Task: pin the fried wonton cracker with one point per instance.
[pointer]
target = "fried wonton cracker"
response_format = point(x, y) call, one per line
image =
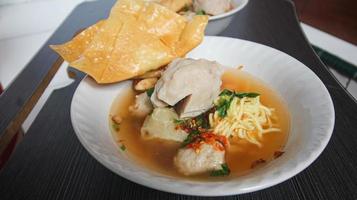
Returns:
point(72, 50)
point(137, 37)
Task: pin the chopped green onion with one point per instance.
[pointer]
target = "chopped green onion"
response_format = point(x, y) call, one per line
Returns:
point(223, 106)
point(149, 92)
point(249, 95)
point(201, 12)
point(225, 171)
point(115, 126)
point(226, 97)
point(226, 92)
point(188, 140)
point(179, 121)
point(195, 132)
point(123, 147)
point(190, 137)
point(202, 121)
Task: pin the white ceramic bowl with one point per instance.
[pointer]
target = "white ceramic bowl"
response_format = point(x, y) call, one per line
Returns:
point(219, 23)
point(309, 103)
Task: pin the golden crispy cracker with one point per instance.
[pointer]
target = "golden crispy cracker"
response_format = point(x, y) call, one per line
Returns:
point(135, 53)
point(192, 35)
point(96, 57)
point(72, 50)
point(162, 22)
point(137, 37)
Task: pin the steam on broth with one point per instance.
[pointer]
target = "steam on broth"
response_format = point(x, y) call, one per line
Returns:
point(241, 157)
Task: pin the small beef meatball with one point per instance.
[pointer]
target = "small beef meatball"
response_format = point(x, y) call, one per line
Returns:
point(142, 106)
point(190, 161)
point(190, 85)
point(160, 124)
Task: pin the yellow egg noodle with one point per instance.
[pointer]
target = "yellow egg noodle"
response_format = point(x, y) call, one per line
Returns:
point(246, 118)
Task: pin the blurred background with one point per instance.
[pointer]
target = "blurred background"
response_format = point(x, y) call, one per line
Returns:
point(329, 25)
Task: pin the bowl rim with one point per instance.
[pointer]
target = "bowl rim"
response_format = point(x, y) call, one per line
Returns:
point(304, 165)
point(231, 12)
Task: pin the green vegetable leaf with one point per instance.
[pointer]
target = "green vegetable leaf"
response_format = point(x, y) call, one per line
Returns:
point(150, 91)
point(226, 97)
point(252, 95)
point(226, 92)
point(199, 120)
point(123, 147)
point(225, 171)
point(249, 94)
point(224, 101)
point(201, 12)
point(179, 121)
point(188, 140)
point(195, 132)
point(115, 126)
point(222, 111)
point(223, 106)
point(202, 121)
point(190, 137)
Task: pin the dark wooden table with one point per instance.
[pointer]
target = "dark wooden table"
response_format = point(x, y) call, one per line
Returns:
point(50, 163)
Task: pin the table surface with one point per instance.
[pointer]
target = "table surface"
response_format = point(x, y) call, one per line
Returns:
point(50, 163)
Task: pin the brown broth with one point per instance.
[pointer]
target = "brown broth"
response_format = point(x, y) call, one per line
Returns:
point(158, 154)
